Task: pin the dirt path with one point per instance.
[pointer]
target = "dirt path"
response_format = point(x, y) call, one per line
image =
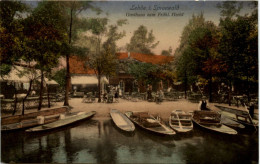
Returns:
point(163, 109)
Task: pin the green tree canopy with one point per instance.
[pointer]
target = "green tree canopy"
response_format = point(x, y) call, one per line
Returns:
point(238, 47)
point(167, 52)
point(146, 72)
point(101, 45)
point(142, 41)
point(74, 25)
point(13, 43)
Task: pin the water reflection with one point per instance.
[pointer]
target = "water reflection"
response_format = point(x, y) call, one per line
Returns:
point(99, 141)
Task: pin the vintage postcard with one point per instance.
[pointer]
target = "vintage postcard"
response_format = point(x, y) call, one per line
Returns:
point(129, 81)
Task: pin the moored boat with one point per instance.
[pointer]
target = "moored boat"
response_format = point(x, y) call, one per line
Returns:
point(149, 123)
point(121, 121)
point(211, 120)
point(231, 123)
point(63, 121)
point(28, 120)
point(240, 116)
point(180, 121)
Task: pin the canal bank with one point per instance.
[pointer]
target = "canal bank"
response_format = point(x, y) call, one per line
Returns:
point(98, 140)
point(163, 109)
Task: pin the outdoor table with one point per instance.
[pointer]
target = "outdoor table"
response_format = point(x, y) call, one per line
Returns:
point(7, 104)
point(110, 98)
point(143, 96)
point(238, 98)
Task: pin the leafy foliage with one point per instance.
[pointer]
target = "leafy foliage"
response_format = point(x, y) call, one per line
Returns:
point(13, 42)
point(146, 72)
point(59, 78)
point(225, 53)
point(142, 41)
point(167, 52)
point(74, 25)
point(46, 33)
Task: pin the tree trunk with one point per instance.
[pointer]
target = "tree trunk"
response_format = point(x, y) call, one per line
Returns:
point(67, 88)
point(66, 97)
point(41, 91)
point(29, 91)
point(248, 87)
point(210, 86)
point(15, 100)
point(229, 93)
point(99, 88)
point(185, 85)
point(48, 96)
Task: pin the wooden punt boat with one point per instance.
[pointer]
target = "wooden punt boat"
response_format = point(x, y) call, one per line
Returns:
point(211, 120)
point(240, 116)
point(149, 123)
point(231, 123)
point(18, 122)
point(180, 121)
point(121, 121)
point(66, 120)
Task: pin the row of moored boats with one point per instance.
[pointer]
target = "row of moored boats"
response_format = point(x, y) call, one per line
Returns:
point(225, 121)
point(181, 122)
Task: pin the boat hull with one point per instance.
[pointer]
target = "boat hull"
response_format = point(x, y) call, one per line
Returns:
point(68, 120)
point(223, 129)
point(121, 121)
point(181, 130)
point(168, 133)
point(180, 117)
point(29, 120)
point(234, 114)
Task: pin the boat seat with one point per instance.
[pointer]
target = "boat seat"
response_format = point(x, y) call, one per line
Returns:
point(51, 116)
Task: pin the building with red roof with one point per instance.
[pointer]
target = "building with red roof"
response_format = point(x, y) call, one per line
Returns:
point(82, 76)
point(124, 80)
point(146, 58)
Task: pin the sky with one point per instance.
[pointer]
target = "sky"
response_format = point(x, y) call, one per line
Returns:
point(166, 29)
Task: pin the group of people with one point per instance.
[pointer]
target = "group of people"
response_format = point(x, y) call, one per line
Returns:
point(111, 95)
point(158, 97)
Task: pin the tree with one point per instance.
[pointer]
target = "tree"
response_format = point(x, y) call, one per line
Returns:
point(45, 29)
point(142, 41)
point(197, 55)
point(74, 23)
point(101, 55)
point(32, 75)
point(11, 33)
point(185, 68)
point(185, 58)
point(59, 78)
point(204, 43)
point(167, 52)
point(146, 72)
point(13, 41)
point(238, 45)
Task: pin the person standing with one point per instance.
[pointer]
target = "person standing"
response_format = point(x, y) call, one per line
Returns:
point(203, 104)
point(149, 93)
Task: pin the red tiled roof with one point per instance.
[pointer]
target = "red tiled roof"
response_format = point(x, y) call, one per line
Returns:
point(122, 55)
point(153, 59)
point(77, 66)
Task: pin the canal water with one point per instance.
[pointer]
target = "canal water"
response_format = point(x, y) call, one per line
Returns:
point(99, 141)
